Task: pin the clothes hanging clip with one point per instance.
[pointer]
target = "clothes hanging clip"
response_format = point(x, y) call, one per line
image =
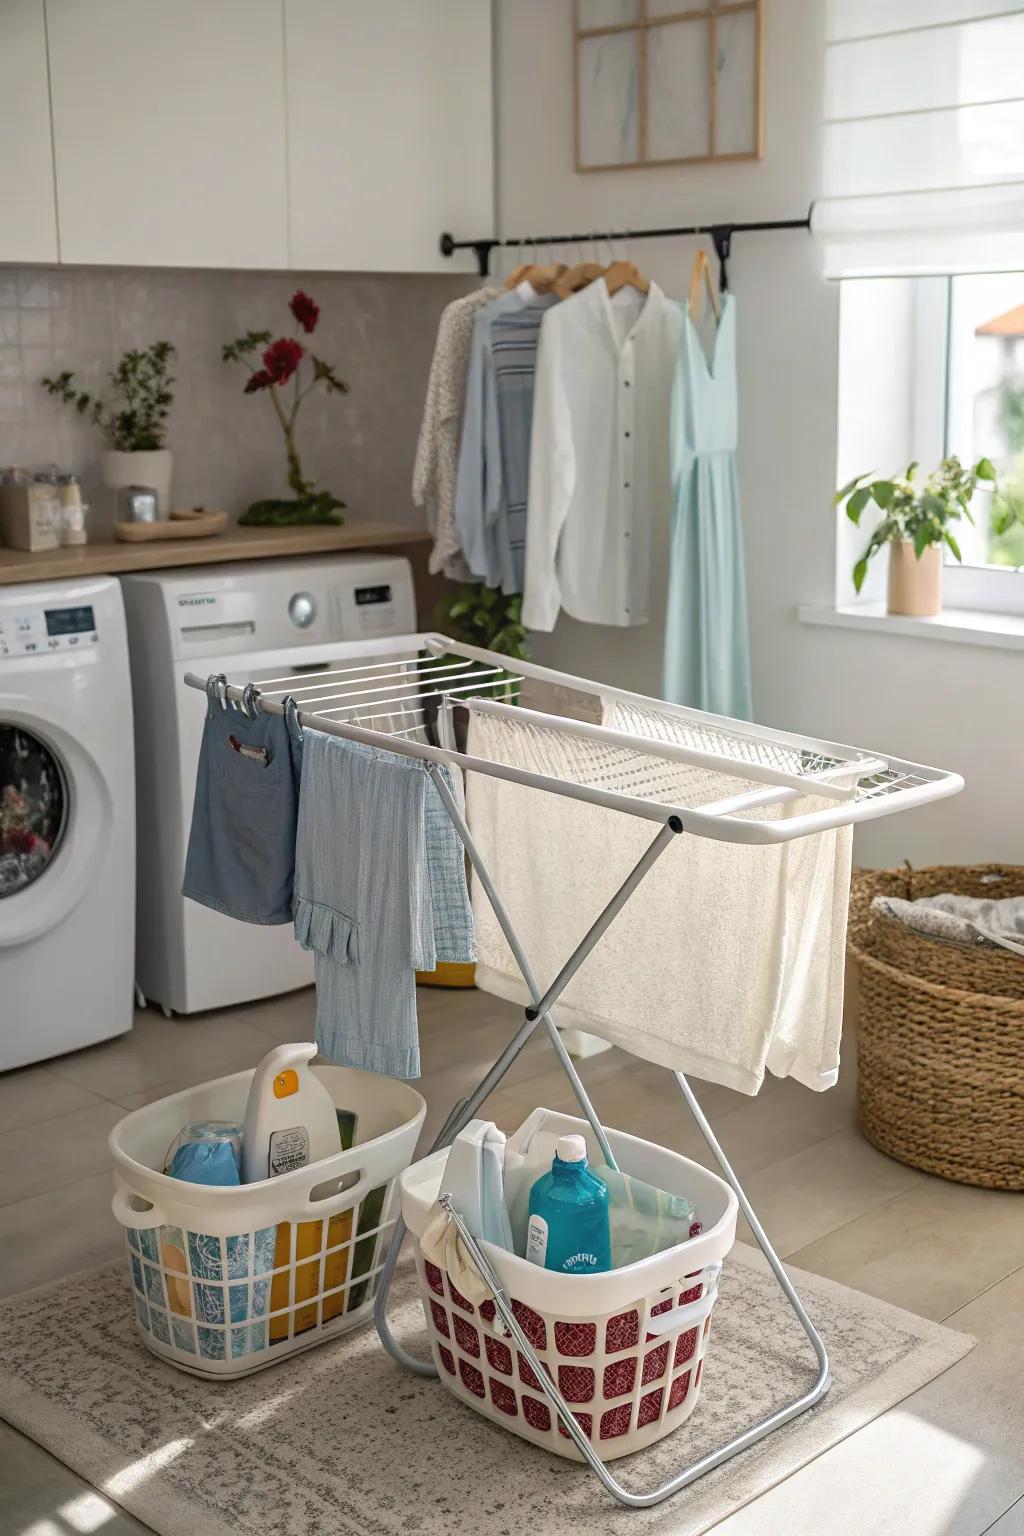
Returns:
point(216, 689)
point(721, 235)
point(250, 704)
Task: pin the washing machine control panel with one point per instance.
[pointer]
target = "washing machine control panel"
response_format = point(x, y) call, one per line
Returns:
point(40, 631)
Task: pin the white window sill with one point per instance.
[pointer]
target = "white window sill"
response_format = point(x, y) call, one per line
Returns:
point(961, 626)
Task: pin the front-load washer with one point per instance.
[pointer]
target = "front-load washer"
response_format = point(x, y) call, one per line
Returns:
point(67, 819)
point(260, 619)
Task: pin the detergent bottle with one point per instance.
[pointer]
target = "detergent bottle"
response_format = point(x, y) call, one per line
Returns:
point(290, 1119)
point(568, 1229)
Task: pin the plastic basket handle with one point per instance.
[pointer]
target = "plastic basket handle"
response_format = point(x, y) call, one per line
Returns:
point(142, 1217)
point(694, 1311)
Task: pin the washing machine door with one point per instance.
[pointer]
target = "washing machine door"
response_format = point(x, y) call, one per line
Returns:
point(55, 815)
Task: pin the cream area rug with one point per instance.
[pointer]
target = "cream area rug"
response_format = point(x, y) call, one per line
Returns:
point(341, 1441)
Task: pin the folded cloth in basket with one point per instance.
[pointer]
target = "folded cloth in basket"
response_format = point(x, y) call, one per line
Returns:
point(962, 920)
point(725, 961)
point(380, 892)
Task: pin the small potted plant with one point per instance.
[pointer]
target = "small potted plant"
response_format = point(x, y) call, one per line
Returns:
point(282, 365)
point(133, 420)
point(917, 518)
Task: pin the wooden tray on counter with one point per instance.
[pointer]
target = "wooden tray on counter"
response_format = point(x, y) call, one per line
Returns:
point(197, 524)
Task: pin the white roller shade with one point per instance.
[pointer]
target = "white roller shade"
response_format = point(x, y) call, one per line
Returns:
point(923, 163)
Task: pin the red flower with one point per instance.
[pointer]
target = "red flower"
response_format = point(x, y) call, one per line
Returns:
point(305, 310)
point(259, 380)
point(281, 359)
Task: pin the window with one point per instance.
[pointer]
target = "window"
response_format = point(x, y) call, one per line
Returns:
point(985, 405)
point(930, 366)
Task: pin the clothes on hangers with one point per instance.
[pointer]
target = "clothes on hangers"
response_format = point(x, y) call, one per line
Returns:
point(380, 892)
point(494, 455)
point(727, 960)
point(437, 451)
point(599, 460)
point(707, 655)
point(241, 845)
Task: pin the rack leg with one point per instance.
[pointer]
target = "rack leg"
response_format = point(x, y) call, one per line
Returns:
point(463, 1112)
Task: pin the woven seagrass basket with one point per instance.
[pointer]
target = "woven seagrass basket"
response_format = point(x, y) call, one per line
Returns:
point(941, 1032)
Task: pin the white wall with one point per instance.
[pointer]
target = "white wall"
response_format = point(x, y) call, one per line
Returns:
point(959, 707)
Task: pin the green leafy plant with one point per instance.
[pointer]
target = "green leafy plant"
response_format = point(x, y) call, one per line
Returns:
point(918, 510)
point(282, 362)
point(484, 616)
point(135, 419)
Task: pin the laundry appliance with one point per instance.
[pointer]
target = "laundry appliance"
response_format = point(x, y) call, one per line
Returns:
point(67, 819)
point(257, 620)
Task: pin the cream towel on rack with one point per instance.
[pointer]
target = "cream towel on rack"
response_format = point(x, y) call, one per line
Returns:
point(726, 961)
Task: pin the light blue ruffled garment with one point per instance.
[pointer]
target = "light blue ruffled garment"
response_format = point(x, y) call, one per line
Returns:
point(380, 892)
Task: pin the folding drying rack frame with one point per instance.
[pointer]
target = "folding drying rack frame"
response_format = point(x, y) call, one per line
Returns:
point(856, 786)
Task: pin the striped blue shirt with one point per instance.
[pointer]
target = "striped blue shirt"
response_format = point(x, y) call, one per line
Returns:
point(494, 454)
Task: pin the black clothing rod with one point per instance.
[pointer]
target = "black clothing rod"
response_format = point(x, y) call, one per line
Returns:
point(721, 236)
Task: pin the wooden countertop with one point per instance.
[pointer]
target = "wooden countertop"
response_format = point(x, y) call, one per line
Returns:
point(107, 556)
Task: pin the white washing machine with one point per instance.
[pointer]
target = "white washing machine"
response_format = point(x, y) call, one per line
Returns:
point(67, 819)
point(255, 620)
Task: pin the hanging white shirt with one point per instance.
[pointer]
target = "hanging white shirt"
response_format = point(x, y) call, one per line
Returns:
point(599, 458)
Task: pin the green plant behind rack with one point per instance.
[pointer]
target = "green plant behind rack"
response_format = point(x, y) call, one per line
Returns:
point(483, 616)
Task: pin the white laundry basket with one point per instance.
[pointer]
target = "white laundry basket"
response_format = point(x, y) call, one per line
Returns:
point(626, 1346)
point(231, 1279)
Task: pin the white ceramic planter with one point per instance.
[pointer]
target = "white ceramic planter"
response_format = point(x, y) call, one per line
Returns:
point(151, 468)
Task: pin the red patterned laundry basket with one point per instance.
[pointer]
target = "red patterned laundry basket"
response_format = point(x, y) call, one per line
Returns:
point(626, 1349)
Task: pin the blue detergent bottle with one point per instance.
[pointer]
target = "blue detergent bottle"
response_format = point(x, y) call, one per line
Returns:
point(568, 1229)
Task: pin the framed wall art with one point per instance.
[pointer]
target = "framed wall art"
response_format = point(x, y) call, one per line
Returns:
point(667, 82)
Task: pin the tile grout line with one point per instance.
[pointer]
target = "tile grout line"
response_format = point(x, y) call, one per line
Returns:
point(1016, 1270)
point(873, 1211)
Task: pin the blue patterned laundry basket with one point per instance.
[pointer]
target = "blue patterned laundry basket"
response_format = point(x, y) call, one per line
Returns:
point(228, 1280)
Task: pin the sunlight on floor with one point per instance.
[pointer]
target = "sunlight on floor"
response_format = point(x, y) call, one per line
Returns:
point(86, 1513)
point(131, 1476)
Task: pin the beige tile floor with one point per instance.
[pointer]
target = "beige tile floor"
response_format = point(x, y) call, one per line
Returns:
point(949, 1461)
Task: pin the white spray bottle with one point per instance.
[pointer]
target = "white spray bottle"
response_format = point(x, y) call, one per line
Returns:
point(290, 1119)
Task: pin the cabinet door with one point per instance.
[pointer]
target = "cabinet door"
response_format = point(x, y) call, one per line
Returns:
point(389, 131)
point(28, 223)
point(169, 131)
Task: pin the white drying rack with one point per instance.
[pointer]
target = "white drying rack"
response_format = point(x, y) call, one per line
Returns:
point(412, 687)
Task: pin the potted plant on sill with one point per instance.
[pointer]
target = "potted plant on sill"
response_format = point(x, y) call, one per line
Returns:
point(134, 421)
point(282, 363)
point(917, 517)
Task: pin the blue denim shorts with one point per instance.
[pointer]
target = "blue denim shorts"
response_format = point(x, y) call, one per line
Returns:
point(241, 846)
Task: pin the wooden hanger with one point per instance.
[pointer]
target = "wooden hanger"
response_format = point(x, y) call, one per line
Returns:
point(702, 270)
point(578, 277)
point(518, 275)
point(622, 272)
point(543, 278)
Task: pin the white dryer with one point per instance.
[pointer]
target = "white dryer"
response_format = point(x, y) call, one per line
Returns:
point(258, 619)
point(67, 819)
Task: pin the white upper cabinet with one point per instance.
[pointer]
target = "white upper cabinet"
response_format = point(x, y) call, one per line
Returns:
point(389, 131)
point(169, 131)
point(28, 223)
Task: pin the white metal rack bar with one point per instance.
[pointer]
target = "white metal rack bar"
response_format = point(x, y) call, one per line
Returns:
point(874, 787)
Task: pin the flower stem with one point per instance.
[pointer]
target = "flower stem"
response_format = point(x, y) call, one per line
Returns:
point(295, 479)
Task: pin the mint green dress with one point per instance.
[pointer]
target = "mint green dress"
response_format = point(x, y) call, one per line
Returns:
point(707, 656)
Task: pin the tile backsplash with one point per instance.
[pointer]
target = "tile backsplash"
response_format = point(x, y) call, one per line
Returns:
point(228, 447)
